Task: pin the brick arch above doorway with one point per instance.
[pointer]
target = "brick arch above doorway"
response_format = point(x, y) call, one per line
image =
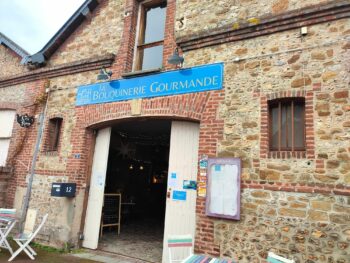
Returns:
point(196, 107)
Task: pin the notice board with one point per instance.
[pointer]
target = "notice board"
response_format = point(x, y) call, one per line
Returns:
point(224, 188)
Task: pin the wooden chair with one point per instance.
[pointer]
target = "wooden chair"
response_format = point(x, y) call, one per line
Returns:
point(179, 241)
point(23, 239)
point(273, 258)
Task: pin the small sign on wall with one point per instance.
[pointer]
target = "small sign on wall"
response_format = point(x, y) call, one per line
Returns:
point(224, 188)
point(63, 189)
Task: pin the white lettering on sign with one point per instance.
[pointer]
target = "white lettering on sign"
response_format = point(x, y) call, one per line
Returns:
point(190, 80)
point(187, 84)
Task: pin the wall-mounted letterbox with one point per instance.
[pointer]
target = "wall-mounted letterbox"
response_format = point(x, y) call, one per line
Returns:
point(63, 189)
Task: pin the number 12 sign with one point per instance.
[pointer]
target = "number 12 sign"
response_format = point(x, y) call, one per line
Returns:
point(63, 189)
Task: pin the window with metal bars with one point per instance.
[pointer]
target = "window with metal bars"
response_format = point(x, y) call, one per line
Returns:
point(150, 40)
point(54, 130)
point(287, 124)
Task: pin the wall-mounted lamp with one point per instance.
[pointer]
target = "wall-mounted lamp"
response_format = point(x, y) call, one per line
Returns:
point(176, 59)
point(104, 74)
point(25, 120)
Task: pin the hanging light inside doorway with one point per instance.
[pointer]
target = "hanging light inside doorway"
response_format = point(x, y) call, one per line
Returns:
point(141, 167)
point(131, 167)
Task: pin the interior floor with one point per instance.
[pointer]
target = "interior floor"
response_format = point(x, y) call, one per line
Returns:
point(137, 171)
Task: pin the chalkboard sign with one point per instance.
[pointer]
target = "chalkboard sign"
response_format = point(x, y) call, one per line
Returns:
point(111, 212)
point(224, 188)
point(63, 189)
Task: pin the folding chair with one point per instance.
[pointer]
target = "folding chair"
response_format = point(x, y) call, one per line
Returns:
point(28, 235)
point(180, 241)
point(273, 258)
point(6, 225)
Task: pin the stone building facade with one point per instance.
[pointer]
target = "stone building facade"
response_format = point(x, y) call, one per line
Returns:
point(295, 203)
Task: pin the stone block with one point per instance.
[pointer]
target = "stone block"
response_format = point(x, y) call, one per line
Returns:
point(251, 124)
point(280, 6)
point(297, 205)
point(288, 74)
point(339, 113)
point(332, 164)
point(326, 178)
point(293, 59)
point(252, 65)
point(339, 218)
point(328, 75)
point(317, 55)
point(241, 51)
point(318, 234)
point(330, 52)
point(317, 216)
point(301, 82)
point(270, 175)
point(341, 209)
point(346, 124)
point(252, 137)
point(321, 205)
point(261, 194)
point(322, 96)
point(291, 212)
point(322, 156)
point(322, 113)
point(279, 167)
point(322, 106)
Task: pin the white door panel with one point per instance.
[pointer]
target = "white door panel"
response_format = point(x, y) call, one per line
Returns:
point(183, 160)
point(97, 186)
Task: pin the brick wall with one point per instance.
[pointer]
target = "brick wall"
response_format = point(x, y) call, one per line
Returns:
point(14, 98)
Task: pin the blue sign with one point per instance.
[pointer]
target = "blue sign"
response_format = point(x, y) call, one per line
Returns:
point(189, 80)
point(179, 195)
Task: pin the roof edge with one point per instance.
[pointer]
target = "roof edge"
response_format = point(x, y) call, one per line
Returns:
point(39, 59)
point(13, 46)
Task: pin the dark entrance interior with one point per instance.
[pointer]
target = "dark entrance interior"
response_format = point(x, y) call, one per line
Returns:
point(137, 170)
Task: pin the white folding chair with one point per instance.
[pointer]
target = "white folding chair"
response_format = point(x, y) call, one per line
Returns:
point(176, 242)
point(6, 225)
point(273, 258)
point(28, 235)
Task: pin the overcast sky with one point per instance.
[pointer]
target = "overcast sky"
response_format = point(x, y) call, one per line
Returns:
point(32, 23)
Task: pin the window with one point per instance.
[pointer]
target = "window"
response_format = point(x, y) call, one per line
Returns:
point(54, 130)
point(286, 122)
point(151, 35)
point(7, 118)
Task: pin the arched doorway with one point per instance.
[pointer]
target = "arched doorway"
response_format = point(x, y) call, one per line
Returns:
point(132, 162)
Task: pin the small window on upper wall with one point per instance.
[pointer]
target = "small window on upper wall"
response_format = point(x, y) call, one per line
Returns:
point(54, 131)
point(151, 35)
point(286, 124)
